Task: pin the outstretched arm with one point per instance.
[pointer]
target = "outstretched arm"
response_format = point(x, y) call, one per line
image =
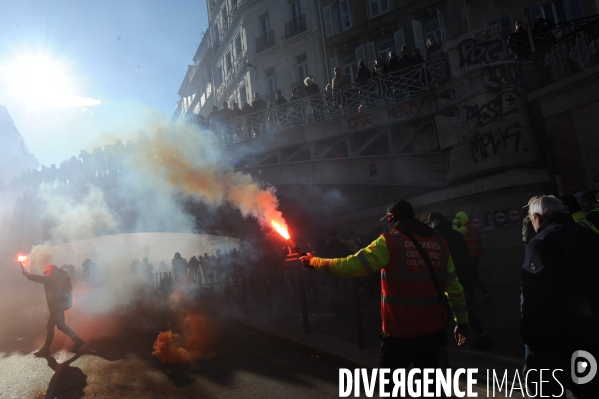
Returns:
point(366, 261)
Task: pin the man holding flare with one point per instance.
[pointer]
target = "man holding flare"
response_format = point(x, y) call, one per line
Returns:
point(417, 273)
point(58, 287)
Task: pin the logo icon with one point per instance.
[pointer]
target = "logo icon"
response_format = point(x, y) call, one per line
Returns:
point(582, 362)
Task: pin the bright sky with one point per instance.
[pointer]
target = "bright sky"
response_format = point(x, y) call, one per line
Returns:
point(71, 71)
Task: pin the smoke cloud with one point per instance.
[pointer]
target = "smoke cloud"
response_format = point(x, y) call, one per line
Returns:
point(139, 187)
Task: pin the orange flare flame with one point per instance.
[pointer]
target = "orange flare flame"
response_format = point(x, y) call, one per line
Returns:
point(22, 258)
point(280, 229)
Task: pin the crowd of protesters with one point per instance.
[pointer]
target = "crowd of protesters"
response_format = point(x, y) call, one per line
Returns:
point(385, 81)
point(82, 169)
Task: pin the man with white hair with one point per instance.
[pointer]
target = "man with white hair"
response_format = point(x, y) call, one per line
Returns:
point(559, 303)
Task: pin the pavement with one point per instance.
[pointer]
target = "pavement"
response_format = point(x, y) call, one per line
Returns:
point(333, 335)
point(261, 350)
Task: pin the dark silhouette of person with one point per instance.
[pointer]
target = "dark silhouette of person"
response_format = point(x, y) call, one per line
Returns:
point(194, 269)
point(179, 267)
point(58, 287)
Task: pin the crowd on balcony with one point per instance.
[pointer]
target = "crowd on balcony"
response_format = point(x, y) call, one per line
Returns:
point(402, 76)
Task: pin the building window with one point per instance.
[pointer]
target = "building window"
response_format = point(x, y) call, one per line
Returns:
point(302, 67)
point(505, 22)
point(384, 49)
point(378, 7)
point(555, 12)
point(228, 62)
point(265, 24)
point(296, 10)
point(223, 15)
point(243, 97)
point(271, 82)
point(343, 16)
point(433, 31)
point(238, 45)
point(350, 67)
point(327, 16)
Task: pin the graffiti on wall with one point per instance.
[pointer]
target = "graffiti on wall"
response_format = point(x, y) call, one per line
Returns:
point(497, 77)
point(489, 144)
point(361, 121)
point(407, 110)
point(500, 106)
point(473, 52)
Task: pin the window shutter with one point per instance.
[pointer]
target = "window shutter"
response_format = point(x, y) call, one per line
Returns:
point(370, 53)
point(384, 6)
point(442, 28)
point(361, 55)
point(418, 37)
point(333, 62)
point(534, 11)
point(345, 14)
point(576, 10)
point(400, 40)
point(327, 16)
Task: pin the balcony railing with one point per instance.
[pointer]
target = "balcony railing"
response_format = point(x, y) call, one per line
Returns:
point(265, 41)
point(575, 50)
point(403, 85)
point(295, 26)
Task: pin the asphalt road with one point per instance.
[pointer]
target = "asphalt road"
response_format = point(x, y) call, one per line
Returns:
point(245, 365)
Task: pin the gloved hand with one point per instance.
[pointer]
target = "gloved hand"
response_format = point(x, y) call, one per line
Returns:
point(306, 260)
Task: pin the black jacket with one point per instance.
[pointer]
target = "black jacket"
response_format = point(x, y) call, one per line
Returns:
point(457, 247)
point(560, 277)
point(58, 289)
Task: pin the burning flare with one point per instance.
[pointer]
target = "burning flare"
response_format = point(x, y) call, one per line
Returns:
point(281, 230)
point(22, 258)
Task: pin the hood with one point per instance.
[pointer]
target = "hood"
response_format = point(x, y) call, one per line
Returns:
point(462, 217)
point(441, 225)
point(414, 226)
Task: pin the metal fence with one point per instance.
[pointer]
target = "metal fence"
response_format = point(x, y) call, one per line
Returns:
point(405, 84)
point(577, 49)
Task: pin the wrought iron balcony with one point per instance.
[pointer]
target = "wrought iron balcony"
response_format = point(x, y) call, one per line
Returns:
point(265, 41)
point(295, 26)
point(569, 50)
point(399, 87)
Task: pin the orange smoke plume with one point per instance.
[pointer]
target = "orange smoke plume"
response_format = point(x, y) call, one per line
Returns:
point(199, 336)
point(212, 183)
point(166, 348)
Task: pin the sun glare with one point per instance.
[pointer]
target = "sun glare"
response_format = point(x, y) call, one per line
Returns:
point(40, 81)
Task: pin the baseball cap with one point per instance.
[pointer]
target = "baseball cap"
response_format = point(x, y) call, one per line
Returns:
point(399, 209)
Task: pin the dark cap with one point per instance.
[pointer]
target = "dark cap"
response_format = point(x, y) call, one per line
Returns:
point(400, 210)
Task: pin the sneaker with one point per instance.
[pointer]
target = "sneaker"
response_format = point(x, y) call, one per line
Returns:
point(483, 342)
point(44, 352)
point(78, 344)
point(487, 299)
